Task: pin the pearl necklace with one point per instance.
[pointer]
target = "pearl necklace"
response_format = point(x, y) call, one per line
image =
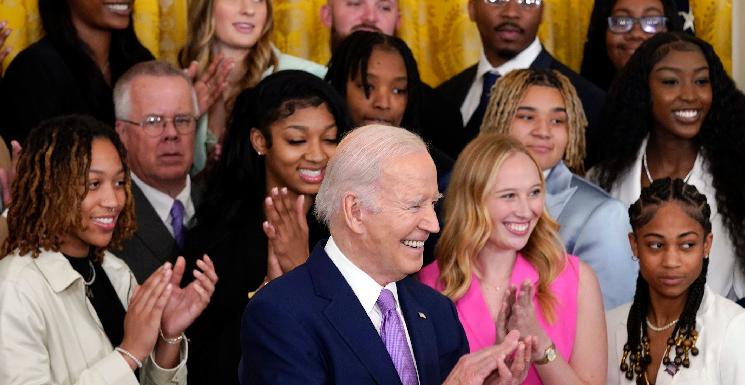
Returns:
point(660, 328)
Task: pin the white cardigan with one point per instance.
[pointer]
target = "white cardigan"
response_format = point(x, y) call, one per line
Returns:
point(725, 274)
point(50, 333)
point(721, 326)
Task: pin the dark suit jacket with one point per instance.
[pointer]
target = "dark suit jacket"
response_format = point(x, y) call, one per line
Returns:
point(456, 88)
point(152, 244)
point(308, 327)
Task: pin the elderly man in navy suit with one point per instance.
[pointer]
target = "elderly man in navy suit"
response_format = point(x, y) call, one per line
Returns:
point(508, 31)
point(351, 314)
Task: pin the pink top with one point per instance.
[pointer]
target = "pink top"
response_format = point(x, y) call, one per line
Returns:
point(479, 325)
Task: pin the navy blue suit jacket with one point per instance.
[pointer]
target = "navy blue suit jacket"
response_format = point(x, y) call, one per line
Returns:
point(308, 327)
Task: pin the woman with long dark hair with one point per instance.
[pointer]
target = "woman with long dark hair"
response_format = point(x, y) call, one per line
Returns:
point(88, 45)
point(677, 330)
point(674, 112)
point(281, 135)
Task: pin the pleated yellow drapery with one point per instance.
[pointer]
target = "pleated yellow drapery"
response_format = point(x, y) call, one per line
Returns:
point(439, 33)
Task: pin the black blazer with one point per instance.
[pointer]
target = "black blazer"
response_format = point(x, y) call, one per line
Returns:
point(308, 327)
point(152, 244)
point(593, 98)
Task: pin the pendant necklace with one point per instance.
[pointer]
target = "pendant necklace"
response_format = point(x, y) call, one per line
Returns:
point(88, 291)
point(649, 176)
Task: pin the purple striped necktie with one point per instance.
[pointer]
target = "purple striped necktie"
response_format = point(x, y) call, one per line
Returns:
point(394, 337)
point(177, 222)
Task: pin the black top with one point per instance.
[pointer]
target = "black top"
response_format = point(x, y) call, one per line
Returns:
point(103, 297)
point(239, 252)
point(40, 84)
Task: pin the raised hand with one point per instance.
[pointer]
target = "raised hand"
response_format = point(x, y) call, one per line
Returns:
point(487, 366)
point(144, 313)
point(505, 309)
point(522, 318)
point(8, 175)
point(210, 84)
point(186, 304)
point(286, 229)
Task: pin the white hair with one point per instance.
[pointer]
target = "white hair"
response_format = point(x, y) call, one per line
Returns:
point(357, 164)
point(157, 68)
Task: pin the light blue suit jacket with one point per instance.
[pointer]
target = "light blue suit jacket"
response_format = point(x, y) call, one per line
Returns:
point(594, 227)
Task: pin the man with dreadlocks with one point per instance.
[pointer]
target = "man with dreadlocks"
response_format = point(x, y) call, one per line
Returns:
point(677, 330)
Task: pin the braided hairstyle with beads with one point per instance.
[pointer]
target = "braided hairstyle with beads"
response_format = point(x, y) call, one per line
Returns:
point(640, 213)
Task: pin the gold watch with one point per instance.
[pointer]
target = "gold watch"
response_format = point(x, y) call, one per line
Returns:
point(548, 355)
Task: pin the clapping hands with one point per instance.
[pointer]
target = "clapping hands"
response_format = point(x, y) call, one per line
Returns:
point(286, 230)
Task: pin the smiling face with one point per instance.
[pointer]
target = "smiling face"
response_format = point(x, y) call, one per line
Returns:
point(387, 87)
point(239, 23)
point(101, 206)
point(540, 124)
point(161, 161)
point(671, 249)
point(347, 16)
point(515, 203)
point(680, 90)
point(301, 145)
point(100, 14)
point(394, 234)
point(621, 46)
point(505, 30)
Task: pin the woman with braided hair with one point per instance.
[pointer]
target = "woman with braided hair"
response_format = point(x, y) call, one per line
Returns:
point(70, 311)
point(677, 330)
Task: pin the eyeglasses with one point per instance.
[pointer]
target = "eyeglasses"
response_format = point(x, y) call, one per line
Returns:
point(648, 24)
point(154, 125)
point(527, 4)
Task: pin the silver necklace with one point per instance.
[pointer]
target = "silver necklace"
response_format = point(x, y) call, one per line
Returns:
point(660, 328)
point(649, 176)
point(88, 291)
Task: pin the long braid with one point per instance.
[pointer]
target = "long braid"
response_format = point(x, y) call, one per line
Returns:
point(684, 335)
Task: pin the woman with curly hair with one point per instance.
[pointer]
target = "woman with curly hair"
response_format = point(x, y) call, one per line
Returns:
point(617, 28)
point(502, 262)
point(674, 112)
point(73, 68)
point(541, 109)
point(239, 32)
point(70, 311)
point(677, 330)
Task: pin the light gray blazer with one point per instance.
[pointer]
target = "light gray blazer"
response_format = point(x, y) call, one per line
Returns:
point(594, 227)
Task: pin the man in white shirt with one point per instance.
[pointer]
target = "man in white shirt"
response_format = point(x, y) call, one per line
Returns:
point(508, 31)
point(155, 108)
point(351, 314)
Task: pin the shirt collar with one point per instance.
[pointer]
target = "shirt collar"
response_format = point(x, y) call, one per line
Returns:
point(523, 60)
point(163, 202)
point(363, 285)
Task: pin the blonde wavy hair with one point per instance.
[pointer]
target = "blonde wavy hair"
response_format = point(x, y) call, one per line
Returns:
point(201, 40)
point(468, 224)
point(507, 94)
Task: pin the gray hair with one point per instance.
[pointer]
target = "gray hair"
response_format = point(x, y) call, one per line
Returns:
point(357, 164)
point(158, 68)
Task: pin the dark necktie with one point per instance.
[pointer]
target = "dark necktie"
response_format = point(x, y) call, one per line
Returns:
point(394, 337)
point(474, 124)
point(177, 222)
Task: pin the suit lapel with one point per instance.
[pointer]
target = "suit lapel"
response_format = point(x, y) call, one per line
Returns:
point(346, 315)
point(558, 189)
point(421, 333)
point(151, 231)
point(543, 60)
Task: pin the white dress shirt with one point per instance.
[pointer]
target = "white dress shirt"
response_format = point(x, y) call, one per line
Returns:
point(366, 289)
point(721, 327)
point(163, 202)
point(523, 60)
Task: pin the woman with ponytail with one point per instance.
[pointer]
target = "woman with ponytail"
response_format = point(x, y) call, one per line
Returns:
point(677, 330)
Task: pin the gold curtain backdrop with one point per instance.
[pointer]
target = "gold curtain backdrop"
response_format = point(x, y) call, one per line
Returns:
point(439, 32)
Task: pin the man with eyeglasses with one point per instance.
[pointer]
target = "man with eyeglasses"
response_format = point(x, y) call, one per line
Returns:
point(155, 106)
point(508, 31)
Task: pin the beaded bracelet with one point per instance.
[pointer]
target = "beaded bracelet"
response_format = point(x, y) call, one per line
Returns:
point(130, 355)
point(171, 341)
